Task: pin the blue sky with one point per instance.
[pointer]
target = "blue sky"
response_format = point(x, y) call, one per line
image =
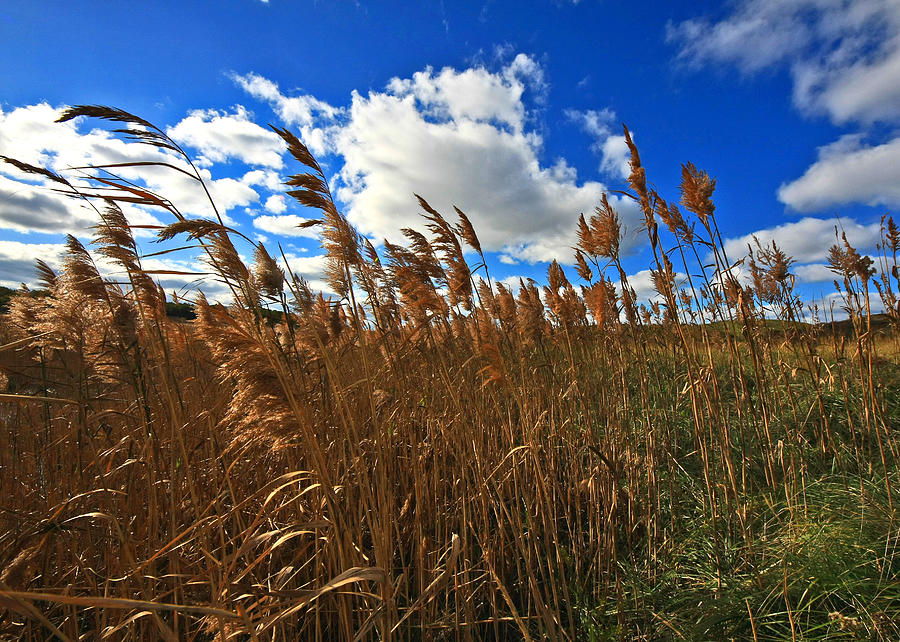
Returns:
point(510, 110)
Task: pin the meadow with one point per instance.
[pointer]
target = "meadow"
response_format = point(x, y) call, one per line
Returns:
point(429, 454)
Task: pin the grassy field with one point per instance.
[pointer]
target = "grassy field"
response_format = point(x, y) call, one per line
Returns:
point(430, 455)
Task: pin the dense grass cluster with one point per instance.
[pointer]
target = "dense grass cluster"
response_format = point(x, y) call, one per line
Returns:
point(430, 455)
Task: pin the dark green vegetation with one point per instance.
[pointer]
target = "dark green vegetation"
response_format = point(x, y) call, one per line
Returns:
point(5, 295)
point(431, 456)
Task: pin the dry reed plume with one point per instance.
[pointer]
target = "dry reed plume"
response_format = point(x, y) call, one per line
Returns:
point(433, 455)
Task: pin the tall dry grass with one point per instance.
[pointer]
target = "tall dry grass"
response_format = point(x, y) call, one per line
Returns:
point(431, 455)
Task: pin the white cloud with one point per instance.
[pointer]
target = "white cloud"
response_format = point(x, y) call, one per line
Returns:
point(611, 148)
point(461, 137)
point(847, 171)
point(312, 269)
point(844, 59)
point(27, 208)
point(220, 136)
point(227, 193)
point(593, 121)
point(844, 56)
point(264, 178)
point(808, 239)
point(759, 33)
point(513, 283)
point(473, 94)
point(27, 204)
point(616, 157)
point(307, 266)
point(30, 134)
point(297, 110)
point(813, 273)
point(642, 284)
point(457, 137)
point(391, 151)
point(311, 115)
point(17, 266)
point(275, 204)
point(184, 285)
point(286, 225)
point(424, 135)
point(27, 134)
point(17, 261)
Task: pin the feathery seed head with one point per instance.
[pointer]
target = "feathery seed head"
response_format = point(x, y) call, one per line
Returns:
point(267, 275)
point(696, 192)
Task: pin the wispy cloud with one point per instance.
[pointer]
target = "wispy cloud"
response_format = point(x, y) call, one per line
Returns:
point(611, 148)
point(311, 115)
point(844, 57)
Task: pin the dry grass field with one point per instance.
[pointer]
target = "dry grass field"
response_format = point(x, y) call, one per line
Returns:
point(429, 455)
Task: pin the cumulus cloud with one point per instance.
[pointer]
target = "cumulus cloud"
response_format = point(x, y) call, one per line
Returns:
point(813, 273)
point(307, 266)
point(642, 284)
point(297, 110)
point(17, 260)
point(844, 57)
point(844, 60)
point(808, 239)
point(28, 204)
point(457, 138)
point(474, 94)
point(184, 286)
point(513, 283)
point(391, 150)
point(30, 134)
point(616, 157)
point(220, 137)
point(311, 268)
point(26, 134)
point(847, 171)
point(17, 266)
point(27, 208)
point(263, 178)
point(275, 204)
point(286, 225)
